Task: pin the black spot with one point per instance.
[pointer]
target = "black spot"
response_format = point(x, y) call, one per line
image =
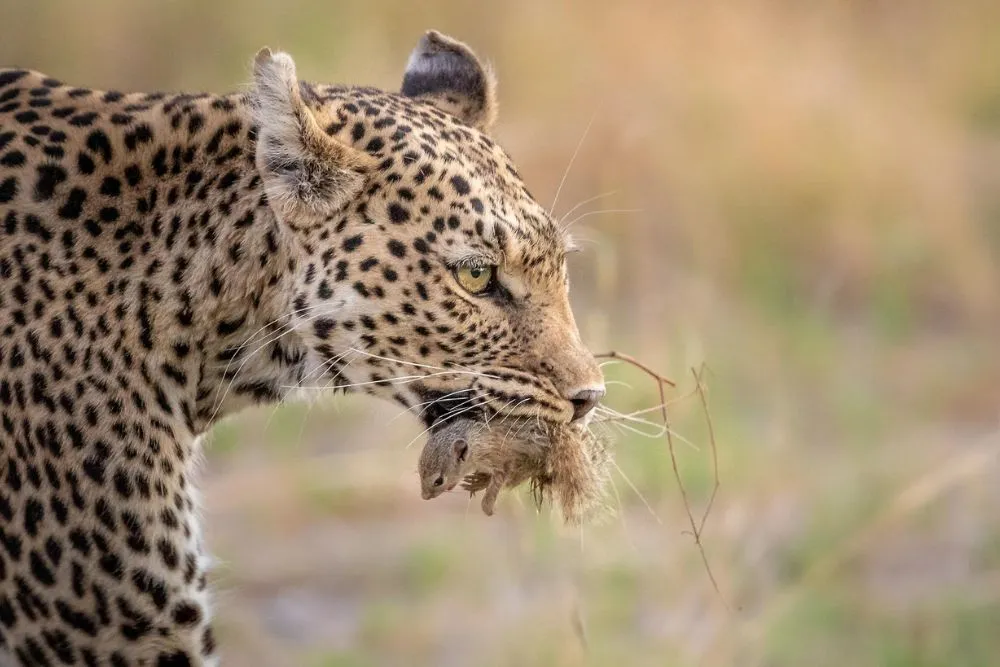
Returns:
point(208, 641)
point(322, 327)
point(152, 586)
point(33, 225)
point(228, 180)
point(8, 190)
point(83, 119)
point(12, 543)
point(73, 207)
point(160, 162)
point(26, 117)
point(85, 164)
point(133, 175)
point(112, 564)
point(122, 484)
point(34, 512)
point(60, 644)
point(12, 159)
point(9, 77)
point(111, 187)
point(98, 142)
point(59, 509)
point(397, 248)
point(7, 614)
point(167, 553)
point(186, 613)
point(398, 214)
point(460, 184)
point(53, 550)
point(176, 659)
point(76, 619)
point(94, 467)
point(226, 328)
point(40, 570)
point(350, 243)
point(49, 176)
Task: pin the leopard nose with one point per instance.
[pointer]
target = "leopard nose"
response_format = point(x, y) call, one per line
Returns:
point(584, 401)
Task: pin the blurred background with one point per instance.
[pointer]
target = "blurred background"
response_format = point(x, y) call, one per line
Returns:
point(803, 196)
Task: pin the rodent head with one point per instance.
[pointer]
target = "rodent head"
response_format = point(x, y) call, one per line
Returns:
point(442, 463)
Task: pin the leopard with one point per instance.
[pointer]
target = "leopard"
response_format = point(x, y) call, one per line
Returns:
point(170, 259)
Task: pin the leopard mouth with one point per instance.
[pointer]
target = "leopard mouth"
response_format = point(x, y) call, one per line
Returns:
point(441, 406)
point(474, 404)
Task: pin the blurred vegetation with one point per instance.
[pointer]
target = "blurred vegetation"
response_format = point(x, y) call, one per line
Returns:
point(808, 199)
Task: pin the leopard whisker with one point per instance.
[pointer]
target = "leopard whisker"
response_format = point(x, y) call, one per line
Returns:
point(661, 430)
point(587, 201)
point(615, 383)
point(419, 365)
point(635, 489)
point(404, 379)
point(262, 331)
point(219, 402)
point(569, 166)
point(605, 211)
point(427, 404)
point(323, 366)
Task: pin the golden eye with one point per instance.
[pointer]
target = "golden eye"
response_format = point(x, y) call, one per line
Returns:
point(475, 279)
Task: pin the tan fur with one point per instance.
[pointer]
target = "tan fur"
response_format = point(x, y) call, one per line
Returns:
point(565, 464)
point(307, 175)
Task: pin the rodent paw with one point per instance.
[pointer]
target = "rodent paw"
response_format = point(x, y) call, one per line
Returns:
point(476, 482)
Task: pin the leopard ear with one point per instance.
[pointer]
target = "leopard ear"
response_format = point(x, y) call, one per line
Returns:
point(448, 74)
point(306, 173)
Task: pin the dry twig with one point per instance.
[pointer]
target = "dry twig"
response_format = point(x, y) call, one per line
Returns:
point(696, 527)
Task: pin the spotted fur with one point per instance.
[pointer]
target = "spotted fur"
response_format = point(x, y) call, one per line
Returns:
point(167, 259)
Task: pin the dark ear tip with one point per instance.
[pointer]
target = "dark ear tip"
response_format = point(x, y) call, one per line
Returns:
point(434, 42)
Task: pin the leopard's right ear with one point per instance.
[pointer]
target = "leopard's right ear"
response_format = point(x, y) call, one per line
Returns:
point(446, 73)
point(306, 173)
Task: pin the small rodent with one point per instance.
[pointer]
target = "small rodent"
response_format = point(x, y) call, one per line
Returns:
point(443, 460)
point(565, 464)
point(485, 458)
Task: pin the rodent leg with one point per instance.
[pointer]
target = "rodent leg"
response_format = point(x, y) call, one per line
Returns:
point(492, 491)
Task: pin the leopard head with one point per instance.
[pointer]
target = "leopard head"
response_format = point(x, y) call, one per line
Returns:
point(426, 272)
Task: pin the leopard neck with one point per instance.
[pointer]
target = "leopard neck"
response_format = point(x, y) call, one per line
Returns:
point(219, 336)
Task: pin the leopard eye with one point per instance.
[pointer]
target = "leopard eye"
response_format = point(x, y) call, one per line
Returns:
point(475, 279)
